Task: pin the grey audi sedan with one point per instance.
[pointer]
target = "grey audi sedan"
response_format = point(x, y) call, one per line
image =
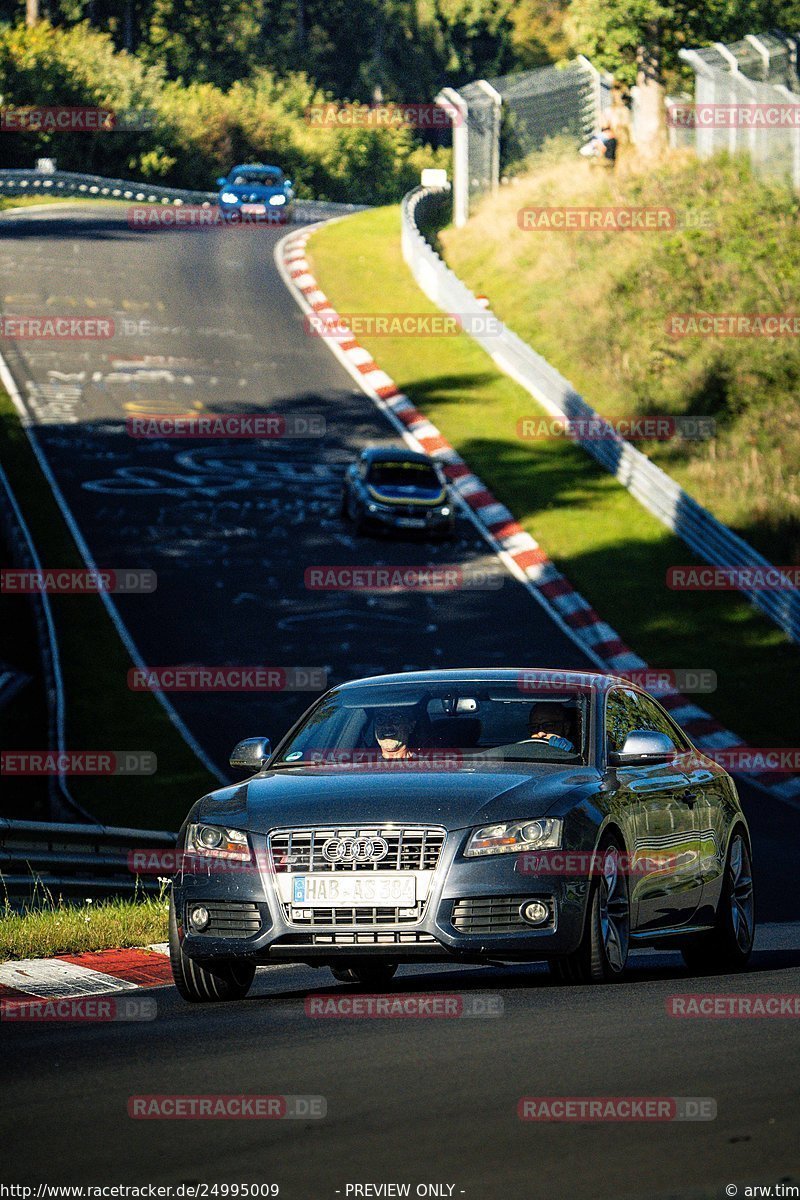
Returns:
point(464, 816)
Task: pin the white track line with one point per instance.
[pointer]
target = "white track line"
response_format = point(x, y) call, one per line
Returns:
point(53, 977)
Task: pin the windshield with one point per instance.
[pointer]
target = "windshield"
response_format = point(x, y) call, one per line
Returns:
point(440, 723)
point(400, 474)
point(265, 178)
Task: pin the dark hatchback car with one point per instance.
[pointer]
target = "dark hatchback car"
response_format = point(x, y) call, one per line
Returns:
point(398, 491)
point(464, 816)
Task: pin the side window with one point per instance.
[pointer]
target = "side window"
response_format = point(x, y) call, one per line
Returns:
point(654, 718)
point(622, 715)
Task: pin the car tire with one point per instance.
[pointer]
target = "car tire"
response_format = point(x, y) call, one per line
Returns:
point(369, 975)
point(729, 945)
point(602, 954)
point(208, 982)
point(349, 513)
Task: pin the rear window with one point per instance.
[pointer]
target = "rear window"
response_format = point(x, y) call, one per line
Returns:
point(417, 475)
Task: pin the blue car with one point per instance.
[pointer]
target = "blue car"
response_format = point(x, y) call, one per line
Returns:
point(398, 491)
point(256, 192)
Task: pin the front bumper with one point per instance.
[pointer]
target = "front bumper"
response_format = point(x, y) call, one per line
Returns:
point(451, 928)
point(434, 525)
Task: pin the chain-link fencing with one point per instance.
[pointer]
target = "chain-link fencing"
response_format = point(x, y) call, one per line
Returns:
point(747, 100)
point(499, 122)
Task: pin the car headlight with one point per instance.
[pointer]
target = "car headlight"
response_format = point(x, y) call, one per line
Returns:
point(511, 837)
point(215, 842)
point(445, 512)
point(277, 199)
point(229, 198)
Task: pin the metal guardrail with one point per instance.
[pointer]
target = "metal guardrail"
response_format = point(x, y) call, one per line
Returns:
point(38, 857)
point(70, 183)
point(656, 491)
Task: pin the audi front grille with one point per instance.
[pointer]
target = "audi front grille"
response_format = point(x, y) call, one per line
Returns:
point(386, 848)
point(408, 849)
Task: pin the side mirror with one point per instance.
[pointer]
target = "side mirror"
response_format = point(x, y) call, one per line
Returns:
point(251, 754)
point(644, 747)
point(221, 181)
point(288, 183)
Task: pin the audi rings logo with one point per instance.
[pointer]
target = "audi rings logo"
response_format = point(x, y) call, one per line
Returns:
point(355, 850)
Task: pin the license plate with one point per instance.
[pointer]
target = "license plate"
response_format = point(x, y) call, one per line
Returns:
point(411, 522)
point(355, 890)
point(254, 210)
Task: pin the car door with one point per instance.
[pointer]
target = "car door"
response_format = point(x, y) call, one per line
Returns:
point(665, 883)
point(711, 789)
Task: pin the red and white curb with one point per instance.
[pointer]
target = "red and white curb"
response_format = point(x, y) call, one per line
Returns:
point(520, 553)
point(80, 976)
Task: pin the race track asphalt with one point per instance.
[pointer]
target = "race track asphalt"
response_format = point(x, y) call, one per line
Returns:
point(205, 324)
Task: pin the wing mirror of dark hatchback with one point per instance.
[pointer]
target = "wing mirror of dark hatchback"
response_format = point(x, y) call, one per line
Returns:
point(643, 748)
point(251, 754)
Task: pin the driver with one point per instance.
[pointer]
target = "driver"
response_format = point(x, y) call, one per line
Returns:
point(392, 731)
point(550, 723)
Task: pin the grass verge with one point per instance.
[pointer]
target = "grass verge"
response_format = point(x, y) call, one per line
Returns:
point(72, 929)
point(101, 712)
point(599, 306)
point(33, 201)
point(611, 549)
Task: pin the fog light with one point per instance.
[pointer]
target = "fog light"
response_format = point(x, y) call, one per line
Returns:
point(535, 912)
point(199, 918)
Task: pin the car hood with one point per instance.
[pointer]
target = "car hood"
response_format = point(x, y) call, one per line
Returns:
point(455, 798)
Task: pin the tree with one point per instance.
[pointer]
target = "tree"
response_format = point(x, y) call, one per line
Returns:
point(638, 40)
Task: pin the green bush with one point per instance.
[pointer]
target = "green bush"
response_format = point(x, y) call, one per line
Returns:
point(199, 131)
